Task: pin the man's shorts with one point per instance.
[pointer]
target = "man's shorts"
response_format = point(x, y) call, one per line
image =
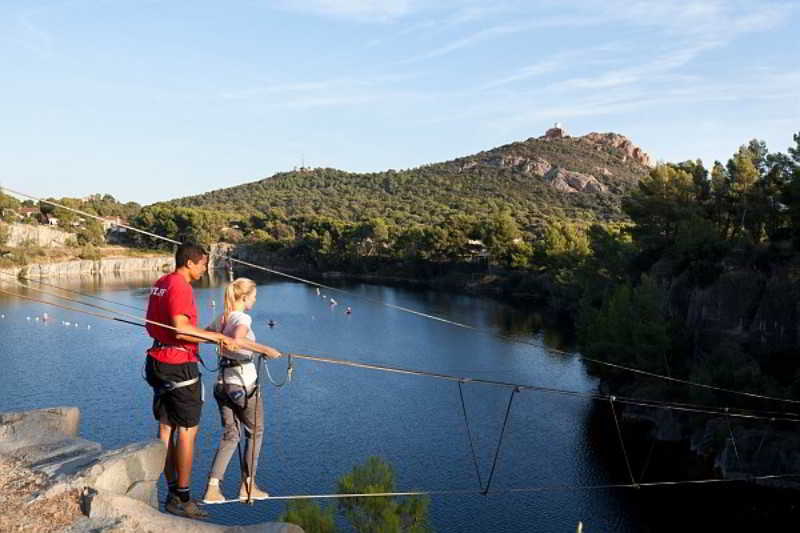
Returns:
point(179, 407)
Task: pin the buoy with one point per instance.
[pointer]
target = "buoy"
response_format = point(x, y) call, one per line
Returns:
point(349, 311)
point(27, 318)
point(88, 326)
point(45, 317)
point(67, 324)
point(2, 316)
point(37, 319)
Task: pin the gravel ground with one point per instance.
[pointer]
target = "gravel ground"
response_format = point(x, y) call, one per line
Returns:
point(18, 485)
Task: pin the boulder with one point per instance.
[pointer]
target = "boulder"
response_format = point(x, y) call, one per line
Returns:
point(132, 471)
point(571, 182)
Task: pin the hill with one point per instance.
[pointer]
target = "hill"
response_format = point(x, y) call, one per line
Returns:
point(550, 178)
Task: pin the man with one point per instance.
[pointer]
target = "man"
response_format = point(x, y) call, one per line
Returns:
point(172, 371)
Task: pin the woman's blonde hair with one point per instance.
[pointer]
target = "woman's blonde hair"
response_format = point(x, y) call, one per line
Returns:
point(235, 291)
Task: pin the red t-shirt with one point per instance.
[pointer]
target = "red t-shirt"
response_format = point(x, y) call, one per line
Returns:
point(171, 295)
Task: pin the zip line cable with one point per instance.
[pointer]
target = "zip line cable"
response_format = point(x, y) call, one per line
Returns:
point(690, 408)
point(431, 316)
point(484, 490)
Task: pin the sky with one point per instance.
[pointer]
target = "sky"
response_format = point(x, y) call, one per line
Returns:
point(149, 100)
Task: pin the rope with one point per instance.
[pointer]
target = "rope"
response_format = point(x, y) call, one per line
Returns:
point(435, 317)
point(622, 442)
point(469, 437)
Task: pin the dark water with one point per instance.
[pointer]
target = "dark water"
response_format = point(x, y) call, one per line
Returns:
point(331, 417)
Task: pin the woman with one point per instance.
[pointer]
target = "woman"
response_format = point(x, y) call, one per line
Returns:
point(237, 393)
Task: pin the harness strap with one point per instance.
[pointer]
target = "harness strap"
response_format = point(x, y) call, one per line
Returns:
point(168, 386)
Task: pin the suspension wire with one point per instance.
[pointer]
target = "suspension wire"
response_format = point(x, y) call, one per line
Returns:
point(438, 318)
point(469, 437)
point(763, 438)
point(622, 442)
point(733, 440)
point(485, 490)
point(72, 291)
point(87, 304)
point(647, 460)
point(513, 490)
point(699, 409)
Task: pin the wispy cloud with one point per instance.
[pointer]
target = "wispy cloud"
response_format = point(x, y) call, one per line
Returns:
point(381, 10)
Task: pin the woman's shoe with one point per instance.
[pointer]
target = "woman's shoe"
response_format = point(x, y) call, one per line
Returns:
point(255, 493)
point(213, 492)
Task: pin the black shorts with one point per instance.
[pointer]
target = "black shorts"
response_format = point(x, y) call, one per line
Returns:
point(182, 406)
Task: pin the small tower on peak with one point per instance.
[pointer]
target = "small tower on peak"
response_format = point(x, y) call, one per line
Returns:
point(558, 131)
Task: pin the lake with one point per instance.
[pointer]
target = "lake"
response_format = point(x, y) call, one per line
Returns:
point(331, 418)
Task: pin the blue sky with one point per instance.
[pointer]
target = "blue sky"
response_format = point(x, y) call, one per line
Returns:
point(150, 100)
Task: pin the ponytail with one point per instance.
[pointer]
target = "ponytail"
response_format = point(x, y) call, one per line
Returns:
point(235, 291)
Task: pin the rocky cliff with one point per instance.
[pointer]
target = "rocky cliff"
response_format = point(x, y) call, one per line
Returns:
point(37, 235)
point(744, 330)
point(108, 265)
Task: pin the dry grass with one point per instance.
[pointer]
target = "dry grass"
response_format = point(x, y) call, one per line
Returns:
point(17, 486)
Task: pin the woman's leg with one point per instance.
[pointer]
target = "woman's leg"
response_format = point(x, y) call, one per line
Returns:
point(230, 438)
point(252, 418)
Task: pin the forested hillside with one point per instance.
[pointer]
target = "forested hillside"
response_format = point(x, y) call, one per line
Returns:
point(540, 180)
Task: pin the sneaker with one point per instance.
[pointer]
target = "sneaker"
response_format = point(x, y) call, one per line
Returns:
point(188, 509)
point(213, 493)
point(255, 493)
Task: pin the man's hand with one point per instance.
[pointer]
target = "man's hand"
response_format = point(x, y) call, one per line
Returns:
point(229, 344)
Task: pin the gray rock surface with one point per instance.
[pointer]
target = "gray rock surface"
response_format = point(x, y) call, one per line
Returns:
point(121, 482)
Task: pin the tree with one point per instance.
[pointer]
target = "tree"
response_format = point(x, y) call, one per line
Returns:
point(379, 514)
point(664, 199)
point(366, 515)
point(310, 516)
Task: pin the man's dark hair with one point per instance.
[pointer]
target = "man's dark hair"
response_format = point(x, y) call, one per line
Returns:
point(187, 251)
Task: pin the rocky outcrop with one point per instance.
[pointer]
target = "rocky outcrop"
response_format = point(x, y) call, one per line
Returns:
point(620, 143)
point(118, 486)
point(106, 266)
point(571, 182)
point(535, 166)
point(28, 234)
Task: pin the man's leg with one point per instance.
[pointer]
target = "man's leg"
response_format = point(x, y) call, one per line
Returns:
point(184, 453)
point(165, 433)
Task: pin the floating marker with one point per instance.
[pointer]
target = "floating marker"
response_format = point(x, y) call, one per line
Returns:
point(27, 318)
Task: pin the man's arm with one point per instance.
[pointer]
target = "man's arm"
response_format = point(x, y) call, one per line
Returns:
point(189, 333)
